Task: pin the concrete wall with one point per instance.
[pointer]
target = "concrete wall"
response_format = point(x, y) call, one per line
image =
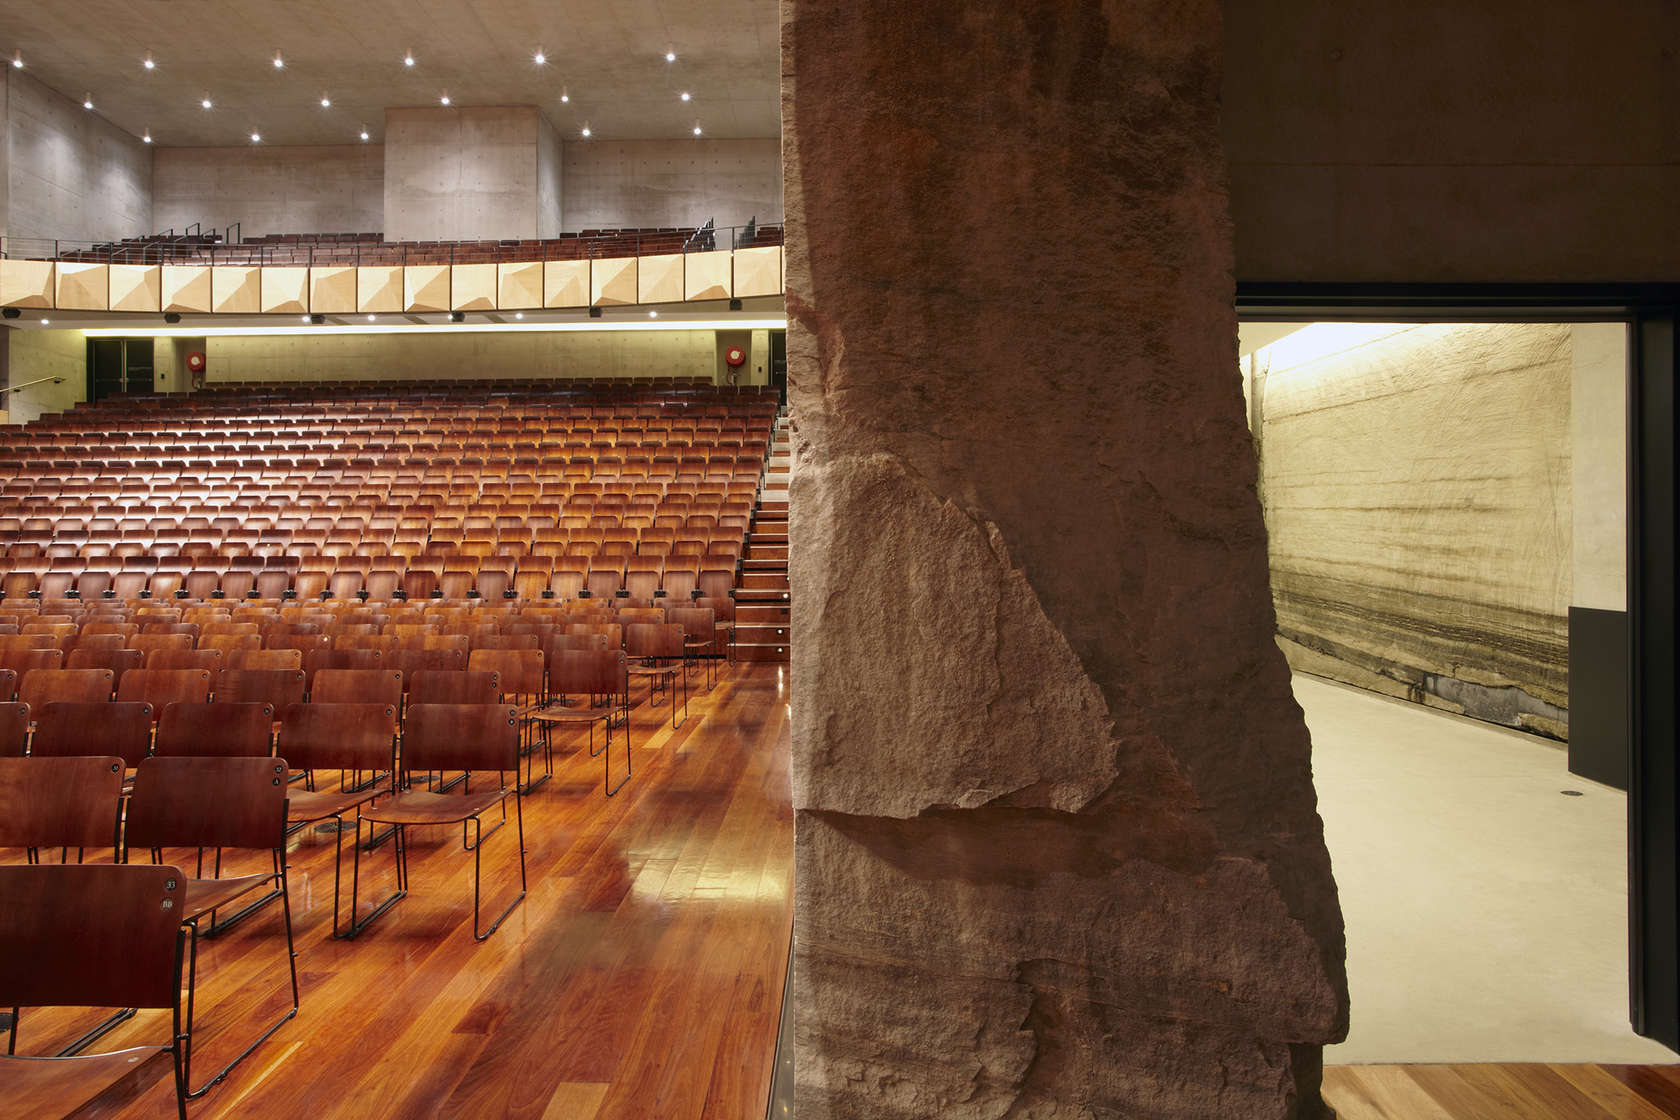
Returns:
point(71, 174)
point(338, 189)
point(1417, 488)
point(462, 173)
point(550, 180)
point(1475, 141)
point(46, 353)
point(657, 183)
point(1598, 462)
point(461, 356)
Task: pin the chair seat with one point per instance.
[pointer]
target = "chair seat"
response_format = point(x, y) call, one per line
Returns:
point(305, 805)
point(422, 807)
point(573, 715)
point(61, 1086)
point(654, 670)
point(205, 895)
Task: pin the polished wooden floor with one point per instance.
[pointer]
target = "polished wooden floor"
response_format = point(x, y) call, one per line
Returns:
point(1503, 1092)
point(642, 977)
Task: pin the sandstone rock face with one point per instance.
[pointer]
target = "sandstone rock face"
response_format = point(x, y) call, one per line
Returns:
point(1058, 852)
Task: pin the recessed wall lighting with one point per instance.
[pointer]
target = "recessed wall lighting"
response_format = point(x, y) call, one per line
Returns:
point(540, 57)
point(686, 96)
point(87, 100)
point(326, 102)
point(408, 58)
point(445, 98)
point(148, 63)
point(670, 54)
point(279, 62)
point(256, 137)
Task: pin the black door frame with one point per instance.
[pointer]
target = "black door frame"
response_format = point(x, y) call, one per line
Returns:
point(1650, 310)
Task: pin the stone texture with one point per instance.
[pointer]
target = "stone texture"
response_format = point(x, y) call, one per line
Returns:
point(1057, 845)
point(1416, 480)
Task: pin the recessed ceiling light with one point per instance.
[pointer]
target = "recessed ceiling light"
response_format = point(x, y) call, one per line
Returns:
point(686, 96)
point(670, 54)
point(306, 318)
point(364, 132)
point(256, 137)
point(540, 57)
point(408, 58)
point(519, 314)
point(205, 101)
point(147, 139)
point(371, 318)
point(444, 98)
point(87, 100)
point(279, 63)
point(653, 314)
point(586, 130)
point(17, 60)
point(565, 97)
point(696, 128)
point(326, 102)
point(148, 63)
point(45, 322)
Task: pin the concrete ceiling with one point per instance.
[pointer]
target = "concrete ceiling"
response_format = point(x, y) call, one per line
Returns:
point(610, 58)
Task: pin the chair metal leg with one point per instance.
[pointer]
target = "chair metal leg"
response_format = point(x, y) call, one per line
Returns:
point(399, 855)
point(606, 766)
point(291, 1013)
point(519, 815)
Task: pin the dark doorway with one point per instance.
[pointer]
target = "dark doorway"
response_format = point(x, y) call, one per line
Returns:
point(119, 365)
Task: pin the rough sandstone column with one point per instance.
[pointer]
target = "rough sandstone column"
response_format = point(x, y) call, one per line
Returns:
point(1058, 853)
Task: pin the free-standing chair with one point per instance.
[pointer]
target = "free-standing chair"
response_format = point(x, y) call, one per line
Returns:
point(600, 676)
point(126, 951)
point(474, 738)
point(215, 803)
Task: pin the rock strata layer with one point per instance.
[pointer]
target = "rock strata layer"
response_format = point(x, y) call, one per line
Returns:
point(1058, 852)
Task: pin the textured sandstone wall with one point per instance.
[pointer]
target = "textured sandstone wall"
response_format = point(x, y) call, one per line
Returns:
point(1417, 492)
point(1057, 846)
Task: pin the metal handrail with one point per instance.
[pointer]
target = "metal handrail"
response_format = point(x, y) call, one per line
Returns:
point(27, 384)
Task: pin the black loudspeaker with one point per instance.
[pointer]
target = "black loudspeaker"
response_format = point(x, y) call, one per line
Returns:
point(171, 317)
point(457, 316)
point(594, 312)
point(734, 305)
point(12, 313)
point(317, 319)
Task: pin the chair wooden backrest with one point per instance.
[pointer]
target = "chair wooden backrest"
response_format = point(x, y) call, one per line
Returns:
point(60, 802)
point(127, 947)
point(210, 659)
point(208, 803)
point(14, 729)
point(98, 641)
point(222, 729)
point(317, 736)
point(351, 686)
point(275, 687)
point(43, 686)
point(13, 643)
point(454, 686)
point(662, 640)
point(150, 642)
point(520, 670)
point(460, 737)
point(588, 672)
point(445, 641)
point(160, 687)
point(21, 661)
point(66, 729)
point(119, 661)
point(697, 622)
point(319, 659)
point(265, 659)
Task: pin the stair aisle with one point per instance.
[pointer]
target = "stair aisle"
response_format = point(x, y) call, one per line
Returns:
point(762, 630)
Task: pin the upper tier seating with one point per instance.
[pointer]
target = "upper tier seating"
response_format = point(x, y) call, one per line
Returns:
point(352, 489)
point(371, 248)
